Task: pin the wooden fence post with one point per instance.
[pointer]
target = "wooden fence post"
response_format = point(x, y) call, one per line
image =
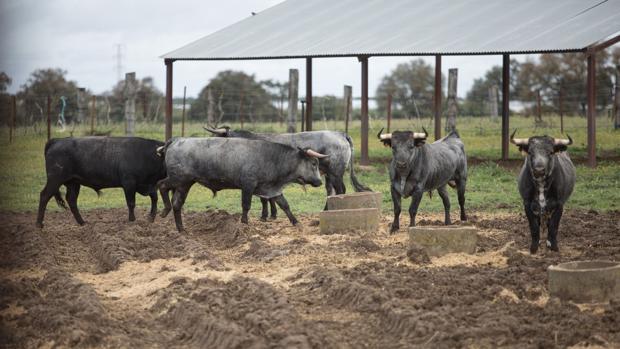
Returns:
point(93, 114)
point(13, 117)
point(561, 105)
point(183, 113)
point(129, 93)
point(348, 101)
point(293, 87)
point(493, 106)
point(49, 117)
point(210, 107)
point(452, 107)
point(538, 107)
point(389, 112)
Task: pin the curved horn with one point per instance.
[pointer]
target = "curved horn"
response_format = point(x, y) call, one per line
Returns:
point(219, 131)
point(518, 141)
point(385, 136)
point(560, 141)
point(315, 154)
point(420, 135)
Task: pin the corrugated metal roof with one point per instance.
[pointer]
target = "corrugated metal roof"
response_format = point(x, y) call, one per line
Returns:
point(332, 28)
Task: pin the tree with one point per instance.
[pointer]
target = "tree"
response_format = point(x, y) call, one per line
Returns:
point(477, 98)
point(148, 100)
point(5, 101)
point(5, 82)
point(239, 95)
point(47, 82)
point(411, 85)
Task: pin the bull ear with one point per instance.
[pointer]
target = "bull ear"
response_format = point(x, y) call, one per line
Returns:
point(523, 148)
point(419, 142)
point(561, 144)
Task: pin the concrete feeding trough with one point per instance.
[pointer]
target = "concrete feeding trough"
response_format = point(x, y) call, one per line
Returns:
point(440, 240)
point(339, 221)
point(585, 281)
point(366, 199)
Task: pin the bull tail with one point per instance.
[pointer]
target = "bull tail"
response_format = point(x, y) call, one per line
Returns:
point(356, 183)
point(59, 200)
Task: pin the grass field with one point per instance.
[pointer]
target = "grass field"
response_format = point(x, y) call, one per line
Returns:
point(491, 185)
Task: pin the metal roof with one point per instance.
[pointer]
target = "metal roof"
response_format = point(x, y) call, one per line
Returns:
point(335, 28)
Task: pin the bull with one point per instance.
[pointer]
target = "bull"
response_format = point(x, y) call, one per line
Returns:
point(256, 167)
point(546, 181)
point(337, 144)
point(98, 163)
point(418, 167)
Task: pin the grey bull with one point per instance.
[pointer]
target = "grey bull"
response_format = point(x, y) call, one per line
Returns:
point(256, 167)
point(546, 181)
point(418, 167)
point(337, 144)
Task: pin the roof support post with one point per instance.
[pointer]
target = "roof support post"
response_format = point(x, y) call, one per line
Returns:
point(168, 132)
point(505, 104)
point(364, 117)
point(437, 97)
point(591, 86)
point(308, 94)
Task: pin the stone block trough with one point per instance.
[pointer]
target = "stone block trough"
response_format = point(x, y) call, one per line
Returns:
point(585, 281)
point(339, 221)
point(355, 200)
point(440, 240)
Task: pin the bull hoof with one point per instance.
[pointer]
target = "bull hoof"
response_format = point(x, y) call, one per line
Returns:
point(393, 229)
point(295, 223)
point(164, 212)
point(553, 246)
point(81, 223)
point(273, 218)
point(244, 220)
point(263, 219)
point(533, 248)
point(151, 219)
point(39, 225)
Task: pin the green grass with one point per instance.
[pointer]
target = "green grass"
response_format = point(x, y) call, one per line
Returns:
point(491, 187)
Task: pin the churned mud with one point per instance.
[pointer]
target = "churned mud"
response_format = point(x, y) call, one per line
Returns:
point(223, 284)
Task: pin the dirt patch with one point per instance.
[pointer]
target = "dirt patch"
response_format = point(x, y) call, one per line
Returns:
point(112, 283)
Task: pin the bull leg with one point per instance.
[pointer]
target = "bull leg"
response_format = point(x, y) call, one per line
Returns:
point(178, 199)
point(396, 201)
point(265, 209)
point(246, 204)
point(130, 198)
point(153, 196)
point(534, 221)
point(339, 186)
point(416, 197)
point(164, 191)
point(329, 187)
point(274, 209)
point(460, 190)
point(44, 197)
point(552, 228)
point(445, 198)
point(281, 201)
point(73, 190)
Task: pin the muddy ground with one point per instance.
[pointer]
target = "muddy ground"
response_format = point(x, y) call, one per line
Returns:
point(227, 285)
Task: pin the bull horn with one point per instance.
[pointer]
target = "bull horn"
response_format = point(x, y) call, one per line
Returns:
point(518, 141)
point(560, 141)
point(385, 136)
point(219, 131)
point(315, 154)
point(420, 135)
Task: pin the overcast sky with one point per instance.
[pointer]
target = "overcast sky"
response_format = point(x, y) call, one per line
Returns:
point(82, 37)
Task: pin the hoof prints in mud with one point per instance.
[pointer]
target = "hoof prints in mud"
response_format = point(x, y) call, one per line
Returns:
point(242, 313)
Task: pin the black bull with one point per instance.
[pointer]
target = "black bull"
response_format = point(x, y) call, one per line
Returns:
point(98, 163)
point(546, 181)
point(338, 145)
point(418, 167)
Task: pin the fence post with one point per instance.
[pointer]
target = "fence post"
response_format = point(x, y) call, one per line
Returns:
point(210, 108)
point(561, 105)
point(13, 117)
point(538, 107)
point(131, 88)
point(389, 112)
point(49, 117)
point(348, 101)
point(303, 115)
point(452, 107)
point(183, 113)
point(93, 114)
point(617, 99)
point(293, 87)
point(493, 91)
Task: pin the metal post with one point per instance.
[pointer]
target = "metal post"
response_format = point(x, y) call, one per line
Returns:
point(592, 109)
point(49, 117)
point(293, 86)
point(308, 94)
point(505, 106)
point(437, 97)
point(168, 133)
point(561, 103)
point(183, 115)
point(364, 131)
point(303, 115)
point(389, 111)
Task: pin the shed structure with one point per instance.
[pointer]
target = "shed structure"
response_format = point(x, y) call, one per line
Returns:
point(370, 28)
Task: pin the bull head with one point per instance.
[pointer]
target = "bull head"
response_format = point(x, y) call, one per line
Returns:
point(418, 137)
point(218, 132)
point(559, 144)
